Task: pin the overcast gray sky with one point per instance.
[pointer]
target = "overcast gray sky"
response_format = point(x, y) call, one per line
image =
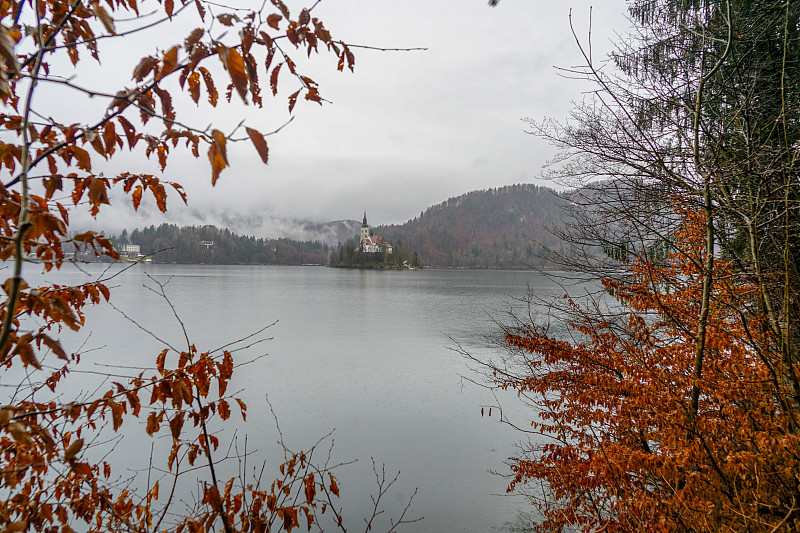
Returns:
point(405, 131)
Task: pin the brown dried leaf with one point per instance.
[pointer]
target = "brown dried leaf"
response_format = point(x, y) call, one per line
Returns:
point(193, 39)
point(81, 156)
point(145, 66)
point(130, 131)
point(304, 17)
point(227, 19)
point(273, 21)
point(260, 143)
point(200, 9)
point(152, 424)
point(104, 17)
point(293, 99)
point(273, 79)
point(175, 425)
point(96, 142)
point(280, 5)
point(55, 347)
point(7, 44)
point(97, 191)
point(25, 352)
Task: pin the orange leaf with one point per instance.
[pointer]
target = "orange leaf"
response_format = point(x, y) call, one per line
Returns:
point(82, 469)
point(130, 131)
point(116, 413)
point(260, 143)
point(110, 137)
point(194, 86)
point(310, 489)
point(217, 155)
point(73, 449)
point(160, 360)
point(170, 61)
point(82, 157)
point(224, 410)
point(16, 527)
point(136, 197)
point(152, 424)
point(169, 6)
point(234, 64)
point(242, 408)
point(212, 90)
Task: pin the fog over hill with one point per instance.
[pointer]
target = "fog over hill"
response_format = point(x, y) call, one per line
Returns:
point(255, 224)
point(504, 227)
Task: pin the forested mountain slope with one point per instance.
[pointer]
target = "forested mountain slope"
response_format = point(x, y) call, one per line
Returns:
point(506, 227)
point(493, 228)
point(173, 244)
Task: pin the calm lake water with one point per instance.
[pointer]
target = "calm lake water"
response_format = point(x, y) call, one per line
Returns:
point(363, 353)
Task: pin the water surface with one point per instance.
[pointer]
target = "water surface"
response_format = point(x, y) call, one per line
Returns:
point(364, 353)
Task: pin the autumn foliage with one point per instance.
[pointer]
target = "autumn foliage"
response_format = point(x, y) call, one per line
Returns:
point(626, 447)
point(665, 385)
point(53, 470)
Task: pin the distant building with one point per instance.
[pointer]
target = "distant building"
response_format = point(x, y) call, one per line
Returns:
point(130, 250)
point(372, 243)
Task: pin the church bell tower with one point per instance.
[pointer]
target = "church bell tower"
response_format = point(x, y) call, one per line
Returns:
point(364, 228)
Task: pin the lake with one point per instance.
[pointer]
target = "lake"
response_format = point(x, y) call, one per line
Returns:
point(365, 354)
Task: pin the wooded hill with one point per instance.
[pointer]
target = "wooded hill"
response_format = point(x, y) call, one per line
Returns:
point(173, 244)
point(502, 227)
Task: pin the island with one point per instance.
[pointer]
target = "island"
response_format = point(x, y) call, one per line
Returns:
point(373, 252)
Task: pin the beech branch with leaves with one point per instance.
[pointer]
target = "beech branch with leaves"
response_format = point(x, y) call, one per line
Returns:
point(48, 169)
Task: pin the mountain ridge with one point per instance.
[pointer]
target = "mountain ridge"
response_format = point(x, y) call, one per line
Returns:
point(502, 227)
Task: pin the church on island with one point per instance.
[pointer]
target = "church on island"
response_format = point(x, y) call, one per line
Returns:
point(372, 243)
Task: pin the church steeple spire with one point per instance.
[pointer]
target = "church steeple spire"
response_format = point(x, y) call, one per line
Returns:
point(364, 229)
